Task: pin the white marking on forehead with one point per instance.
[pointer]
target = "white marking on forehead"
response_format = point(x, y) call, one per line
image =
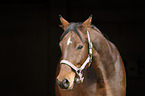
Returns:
point(68, 41)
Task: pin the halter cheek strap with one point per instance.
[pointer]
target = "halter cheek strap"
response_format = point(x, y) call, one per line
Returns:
point(80, 69)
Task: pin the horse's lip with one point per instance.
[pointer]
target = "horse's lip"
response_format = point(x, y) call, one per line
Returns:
point(70, 88)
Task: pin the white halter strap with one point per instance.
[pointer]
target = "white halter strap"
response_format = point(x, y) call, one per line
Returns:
point(80, 69)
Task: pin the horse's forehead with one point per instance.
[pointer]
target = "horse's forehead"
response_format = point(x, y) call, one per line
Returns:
point(71, 37)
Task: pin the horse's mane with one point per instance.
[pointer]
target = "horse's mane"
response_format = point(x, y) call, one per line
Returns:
point(94, 27)
point(73, 27)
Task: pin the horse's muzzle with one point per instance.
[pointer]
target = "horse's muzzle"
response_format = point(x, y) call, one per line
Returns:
point(64, 84)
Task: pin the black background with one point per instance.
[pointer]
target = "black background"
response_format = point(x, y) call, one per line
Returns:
point(29, 37)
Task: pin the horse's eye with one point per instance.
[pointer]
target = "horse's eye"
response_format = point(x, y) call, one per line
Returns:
point(79, 47)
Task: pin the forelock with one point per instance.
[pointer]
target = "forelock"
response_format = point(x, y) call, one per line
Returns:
point(72, 27)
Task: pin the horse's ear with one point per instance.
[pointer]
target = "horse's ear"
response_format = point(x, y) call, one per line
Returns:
point(87, 23)
point(64, 23)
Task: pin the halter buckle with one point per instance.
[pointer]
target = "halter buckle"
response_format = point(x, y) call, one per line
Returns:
point(79, 80)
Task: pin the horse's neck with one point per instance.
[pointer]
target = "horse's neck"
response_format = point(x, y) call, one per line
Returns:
point(104, 57)
point(106, 52)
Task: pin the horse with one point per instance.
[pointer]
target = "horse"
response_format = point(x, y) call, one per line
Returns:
point(90, 64)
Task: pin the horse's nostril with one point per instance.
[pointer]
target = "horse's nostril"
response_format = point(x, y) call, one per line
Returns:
point(65, 83)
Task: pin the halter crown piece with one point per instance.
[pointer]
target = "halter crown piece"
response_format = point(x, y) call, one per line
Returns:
point(79, 70)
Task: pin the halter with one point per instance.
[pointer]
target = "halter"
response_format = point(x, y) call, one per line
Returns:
point(79, 70)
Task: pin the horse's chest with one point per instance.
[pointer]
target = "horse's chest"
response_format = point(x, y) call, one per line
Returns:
point(89, 86)
point(88, 90)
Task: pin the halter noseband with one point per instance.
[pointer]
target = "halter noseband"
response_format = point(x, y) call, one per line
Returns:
point(79, 70)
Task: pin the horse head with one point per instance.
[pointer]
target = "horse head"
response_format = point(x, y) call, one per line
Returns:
point(76, 50)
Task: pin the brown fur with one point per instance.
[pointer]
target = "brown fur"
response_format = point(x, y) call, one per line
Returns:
point(105, 77)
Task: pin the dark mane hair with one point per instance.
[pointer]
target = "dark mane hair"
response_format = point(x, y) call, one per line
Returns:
point(72, 27)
